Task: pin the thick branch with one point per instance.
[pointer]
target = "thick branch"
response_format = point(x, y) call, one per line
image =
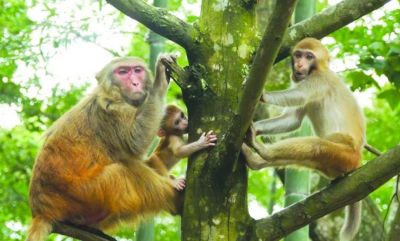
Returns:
point(83, 233)
point(262, 63)
point(340, 193)
point(177, 74)
point(158, 20)
point(327, 22)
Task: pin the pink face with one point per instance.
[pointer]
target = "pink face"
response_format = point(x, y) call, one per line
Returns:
point(132, 77)
point(303, 63)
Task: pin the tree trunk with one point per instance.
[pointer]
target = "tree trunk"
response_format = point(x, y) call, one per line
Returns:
point(216, 185)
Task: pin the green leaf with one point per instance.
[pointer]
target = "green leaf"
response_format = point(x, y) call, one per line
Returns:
point(377, 46)
point(360, 80)
point(392, 96)
point(191, 19)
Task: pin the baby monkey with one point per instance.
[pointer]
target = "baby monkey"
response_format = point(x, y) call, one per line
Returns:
point(172, 147)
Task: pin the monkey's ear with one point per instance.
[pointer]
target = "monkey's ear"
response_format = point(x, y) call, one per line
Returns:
point(161, 133)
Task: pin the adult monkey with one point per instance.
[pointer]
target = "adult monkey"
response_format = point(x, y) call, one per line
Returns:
point(336, 118)
point(90, 169)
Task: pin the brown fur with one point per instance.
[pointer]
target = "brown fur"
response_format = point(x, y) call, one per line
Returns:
point(336, 118)
point(163, 159)
point(90, 170)
point(172, 148)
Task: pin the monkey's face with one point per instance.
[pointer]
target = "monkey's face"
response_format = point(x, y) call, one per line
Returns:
point(133, 81)
point(180, 123)
point(303, 63)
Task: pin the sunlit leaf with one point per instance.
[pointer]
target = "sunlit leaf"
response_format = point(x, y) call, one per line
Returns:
point(392, 96)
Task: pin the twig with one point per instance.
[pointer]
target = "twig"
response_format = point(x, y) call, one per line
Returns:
point(372, 149)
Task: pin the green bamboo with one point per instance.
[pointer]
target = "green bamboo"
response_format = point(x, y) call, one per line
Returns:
point(297, 183)
point(157, 45)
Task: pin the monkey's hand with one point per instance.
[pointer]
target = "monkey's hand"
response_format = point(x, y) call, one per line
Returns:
point(250, 136)
point(179, 183)
point(165, 57)
point(207, 140)
point(161, 81)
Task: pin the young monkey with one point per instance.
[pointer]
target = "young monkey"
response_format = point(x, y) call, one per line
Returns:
point(337, 120)
point(172, 147)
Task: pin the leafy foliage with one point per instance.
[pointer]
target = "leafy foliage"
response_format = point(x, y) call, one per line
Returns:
point(15, 28)
point(376, 45)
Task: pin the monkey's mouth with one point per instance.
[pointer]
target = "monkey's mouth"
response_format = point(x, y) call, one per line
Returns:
point(136, 98)
point(300, 76)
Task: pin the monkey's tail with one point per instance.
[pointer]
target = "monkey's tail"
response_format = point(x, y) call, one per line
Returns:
point(39, 229)
point(352, 222)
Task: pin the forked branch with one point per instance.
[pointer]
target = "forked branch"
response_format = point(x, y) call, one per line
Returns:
point(158, 20)
point(356, 186)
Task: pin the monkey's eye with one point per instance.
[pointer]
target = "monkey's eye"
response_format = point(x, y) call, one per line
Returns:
point(137, 70)
point(183, 115)
point(122, 71)
point(177, 122)
point(310, 56)
point(297, 55)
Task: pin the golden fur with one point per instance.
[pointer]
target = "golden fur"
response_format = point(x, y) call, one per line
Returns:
point(90, 169)
point(336, 118)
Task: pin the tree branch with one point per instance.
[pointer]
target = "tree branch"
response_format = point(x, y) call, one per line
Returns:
point(83, 233)
point(262, 63)
point(158, 20)
point(340, 193)
point(178, 74)
point(327, 22)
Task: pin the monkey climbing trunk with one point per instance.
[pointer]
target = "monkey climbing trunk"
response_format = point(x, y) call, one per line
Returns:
point(216, 186)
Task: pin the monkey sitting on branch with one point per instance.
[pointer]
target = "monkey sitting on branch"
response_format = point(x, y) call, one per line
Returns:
point(90, 170)
point(172, 147)
point(337, 120)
